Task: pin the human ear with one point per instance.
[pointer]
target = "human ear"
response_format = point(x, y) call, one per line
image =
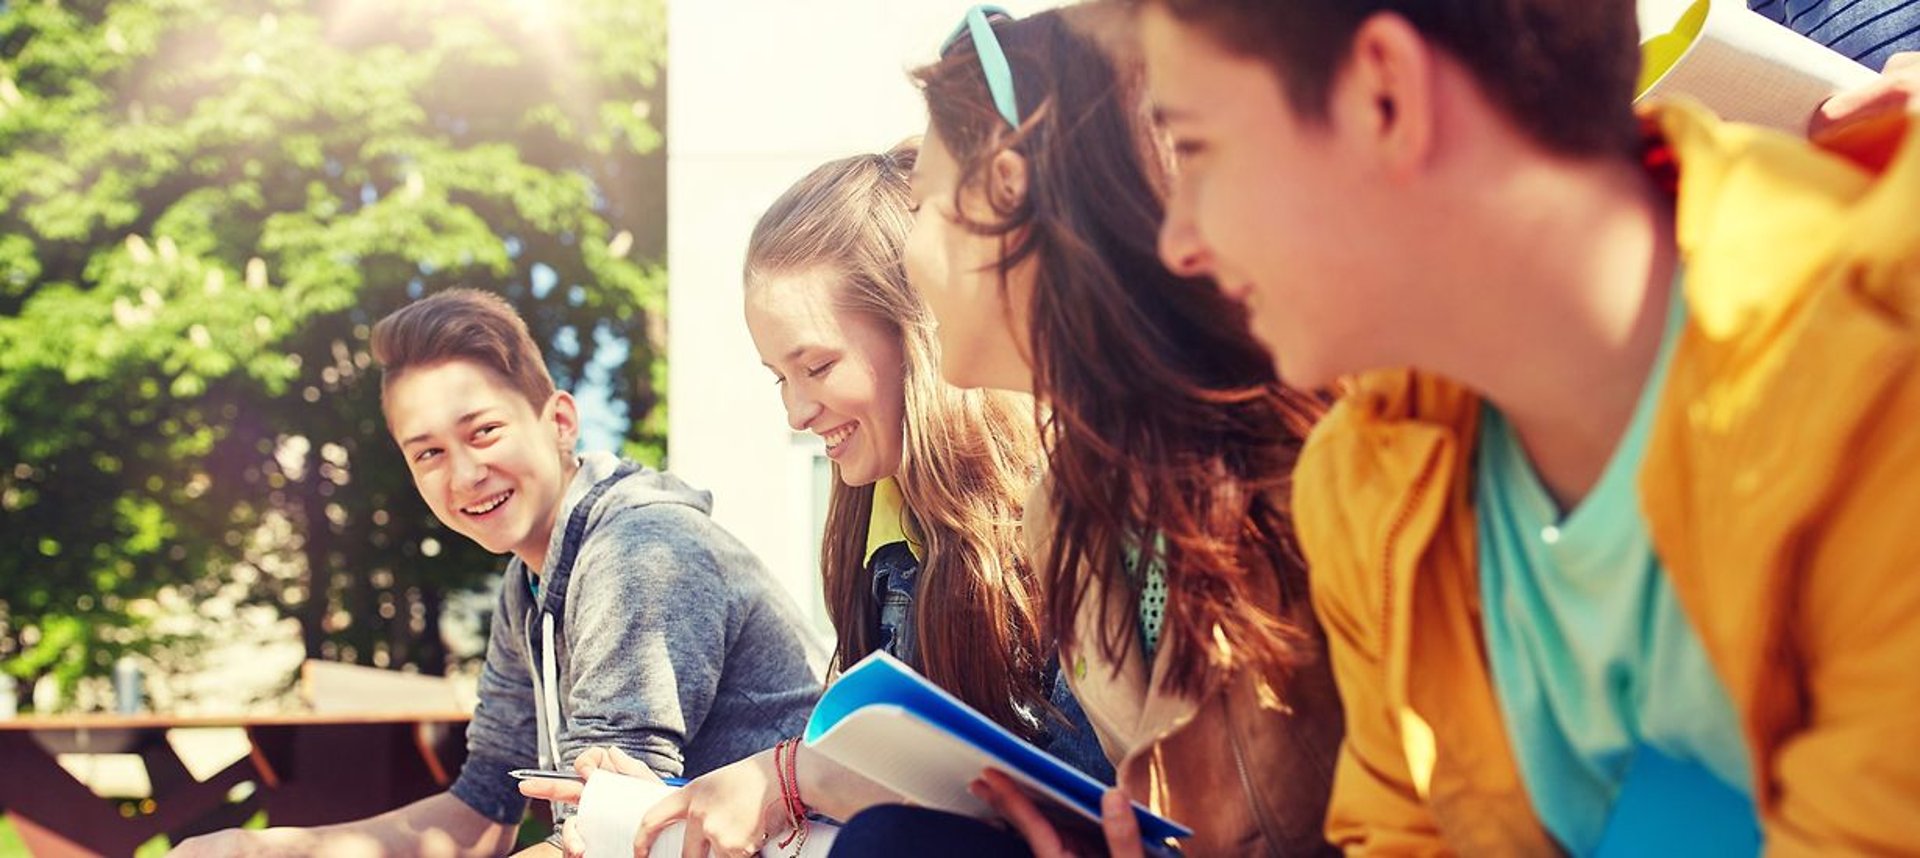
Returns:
point(1388, 85)
point(1007, 180)
point(565, 414)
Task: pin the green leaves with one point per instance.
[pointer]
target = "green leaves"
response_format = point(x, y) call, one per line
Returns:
point(204, 206)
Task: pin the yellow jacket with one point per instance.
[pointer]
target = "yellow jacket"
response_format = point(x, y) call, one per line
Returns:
point(1781, 489)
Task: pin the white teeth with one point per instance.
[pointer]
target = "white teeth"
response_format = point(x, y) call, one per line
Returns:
point(838, 436)
point(489, 505)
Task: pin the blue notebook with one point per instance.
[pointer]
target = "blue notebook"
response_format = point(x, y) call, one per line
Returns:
point(1668, 806)
point(893, 726)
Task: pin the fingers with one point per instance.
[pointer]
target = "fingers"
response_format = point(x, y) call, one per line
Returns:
point(1121, 827)
point(609, 758)
point(626, 764)
point(1892, 93)
point(621, 761)
point(702, 837)
point(592, 760)
point(571, 841)
point(634, 767)
point(694, 842)
point(999, 791)
point(552, 789)
point(665, 812)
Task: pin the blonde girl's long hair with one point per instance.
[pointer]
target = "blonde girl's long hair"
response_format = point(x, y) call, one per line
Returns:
point(968, 460)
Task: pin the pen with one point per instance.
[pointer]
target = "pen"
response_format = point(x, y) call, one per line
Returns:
point(557, 774)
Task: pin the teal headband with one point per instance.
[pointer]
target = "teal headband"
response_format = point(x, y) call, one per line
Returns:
point(993, 60)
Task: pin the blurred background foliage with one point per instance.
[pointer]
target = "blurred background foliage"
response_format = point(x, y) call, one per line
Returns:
point(204, 206)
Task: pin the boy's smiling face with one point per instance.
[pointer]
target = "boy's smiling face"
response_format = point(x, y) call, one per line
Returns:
point(488, 464)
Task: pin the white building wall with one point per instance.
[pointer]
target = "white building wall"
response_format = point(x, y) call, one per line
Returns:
point(759, 93)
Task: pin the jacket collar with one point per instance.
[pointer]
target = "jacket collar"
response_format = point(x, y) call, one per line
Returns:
point(888, 522)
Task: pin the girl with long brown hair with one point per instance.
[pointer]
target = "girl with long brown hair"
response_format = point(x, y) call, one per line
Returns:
point(922, 555)
point(1168, 566)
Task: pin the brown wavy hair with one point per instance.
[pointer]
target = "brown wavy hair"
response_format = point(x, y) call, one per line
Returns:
point(1168, 430)
point(968, 461)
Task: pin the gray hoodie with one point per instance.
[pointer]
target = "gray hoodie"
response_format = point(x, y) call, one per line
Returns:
point(669, 641)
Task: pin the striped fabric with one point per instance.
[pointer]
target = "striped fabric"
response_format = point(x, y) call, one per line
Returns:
point(1867, 30)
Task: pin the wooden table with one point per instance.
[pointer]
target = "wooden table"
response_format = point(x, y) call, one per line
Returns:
point(307, 769)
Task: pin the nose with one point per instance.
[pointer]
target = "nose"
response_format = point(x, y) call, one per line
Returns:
point(1181, 248)
point(801, 408)
point(468, 470)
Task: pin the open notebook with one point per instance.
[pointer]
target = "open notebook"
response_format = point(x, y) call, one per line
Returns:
point(893, 726)
point(1742, 66)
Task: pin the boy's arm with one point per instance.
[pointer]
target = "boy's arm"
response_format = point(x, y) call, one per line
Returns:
point(1374, 808)
point(1847, 778)
point(438, 825)
point(478, 816)
point(648, 630)
point(502, 735)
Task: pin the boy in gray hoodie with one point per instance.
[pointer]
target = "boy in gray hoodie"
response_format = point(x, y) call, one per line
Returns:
point(626, 617)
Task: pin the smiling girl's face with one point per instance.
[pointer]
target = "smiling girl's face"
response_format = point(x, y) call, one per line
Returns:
point(841, 373)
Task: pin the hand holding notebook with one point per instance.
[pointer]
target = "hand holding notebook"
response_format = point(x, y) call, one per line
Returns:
point(886, 722)
point(614, 804)
point(1743, 66)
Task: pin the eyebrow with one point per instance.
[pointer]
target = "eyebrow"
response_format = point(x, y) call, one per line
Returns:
point(1163, 114)
point(466, 418)
point(794, 354)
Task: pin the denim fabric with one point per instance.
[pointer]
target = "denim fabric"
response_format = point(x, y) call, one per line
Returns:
point(895, 575)
point(894, 829)
point(1869, 31)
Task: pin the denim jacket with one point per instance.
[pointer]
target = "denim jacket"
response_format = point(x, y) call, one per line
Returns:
point(895, 573)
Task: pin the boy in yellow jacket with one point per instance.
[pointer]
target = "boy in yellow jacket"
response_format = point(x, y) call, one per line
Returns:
point(1618, 527)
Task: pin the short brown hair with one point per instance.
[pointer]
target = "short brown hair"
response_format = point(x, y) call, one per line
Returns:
point(462, 324)
point(1563, 70)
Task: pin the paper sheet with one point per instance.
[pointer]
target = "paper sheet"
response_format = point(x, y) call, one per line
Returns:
point(1747, 68)
point(923, 763)
point(613, 804)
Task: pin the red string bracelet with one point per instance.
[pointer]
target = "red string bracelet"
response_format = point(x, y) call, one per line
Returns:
point(787, 766)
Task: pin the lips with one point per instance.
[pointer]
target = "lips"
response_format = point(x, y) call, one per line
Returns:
point(487, 505)
point(839, 436)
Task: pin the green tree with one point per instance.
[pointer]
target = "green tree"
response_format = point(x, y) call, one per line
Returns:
point(205, 204)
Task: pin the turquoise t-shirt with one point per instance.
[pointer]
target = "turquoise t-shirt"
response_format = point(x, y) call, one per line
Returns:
point(1591, 655)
